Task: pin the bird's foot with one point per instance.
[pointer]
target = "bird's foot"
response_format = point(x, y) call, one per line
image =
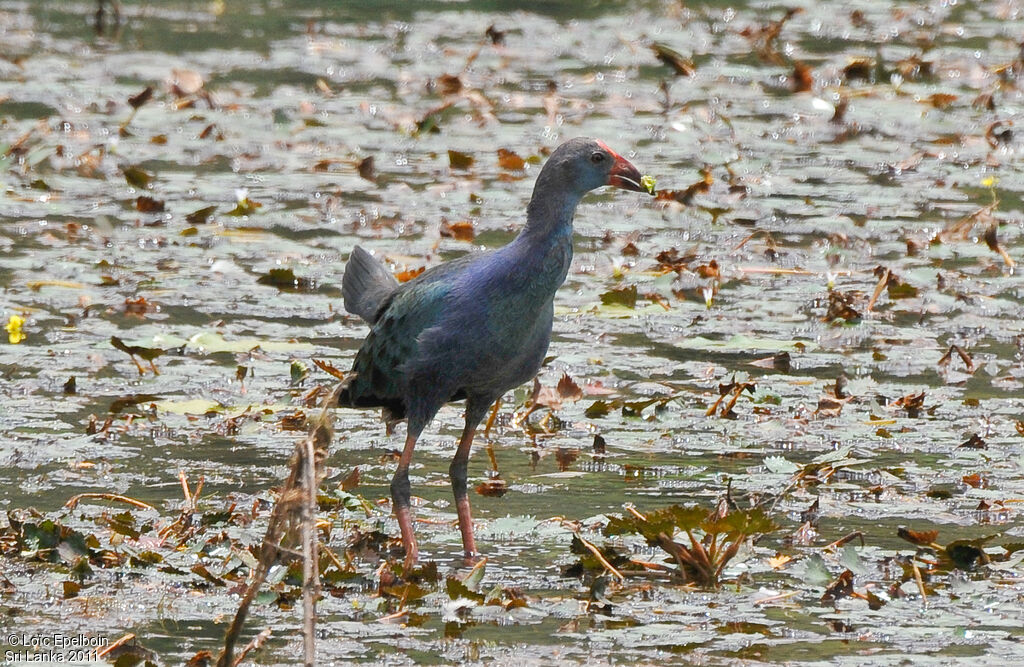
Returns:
point(473, 559)
point(412, 554)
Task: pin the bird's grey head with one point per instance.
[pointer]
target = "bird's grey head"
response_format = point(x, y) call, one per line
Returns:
point(584, 164)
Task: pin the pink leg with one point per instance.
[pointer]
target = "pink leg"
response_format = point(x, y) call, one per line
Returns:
point(457, 471)
point(400, 495)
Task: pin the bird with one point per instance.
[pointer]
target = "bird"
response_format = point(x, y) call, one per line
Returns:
point(472, 328)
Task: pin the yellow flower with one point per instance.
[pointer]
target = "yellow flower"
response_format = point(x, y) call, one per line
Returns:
point(648, 183)
point(989, 181)
point(14, 333)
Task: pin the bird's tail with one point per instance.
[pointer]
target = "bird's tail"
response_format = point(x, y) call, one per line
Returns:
point(365, 285)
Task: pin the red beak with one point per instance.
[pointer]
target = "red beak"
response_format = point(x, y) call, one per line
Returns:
point(624, 175)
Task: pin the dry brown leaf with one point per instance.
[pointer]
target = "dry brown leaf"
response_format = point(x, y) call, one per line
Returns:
point(803, 78)
point(975, 481)
point(680, 64)
point(859, 68)
point(568, 389)
point(462, 230)
point(409, 274)
point(329, 368)
point(351, 480)
point(136, 101)
point(492, 488)
point(942, 100)
point(829, 406)
point(973, 442)
point(146, 204)
point(510, 160)
point(992, 241)
point(709, 270)
point(922, 538)
point(686, 196)
point(840, 588)
point(840, 307)
point(367, 168)
point(449, 84)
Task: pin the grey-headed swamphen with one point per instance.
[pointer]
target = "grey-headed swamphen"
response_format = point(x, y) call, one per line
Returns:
point(472, 328)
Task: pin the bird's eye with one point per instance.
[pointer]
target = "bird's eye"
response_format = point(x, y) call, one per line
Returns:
point(597, 157)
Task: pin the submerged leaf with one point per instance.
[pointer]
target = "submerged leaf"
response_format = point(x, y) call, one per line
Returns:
point(285, 279)
point(623, 296)
point(815, 572)
point(137, 177)
point(742, 522)
point(964, 554)
point(457, 590)
point(147, 353)
point(459, 160)
point(200, 216)
point(780, 465)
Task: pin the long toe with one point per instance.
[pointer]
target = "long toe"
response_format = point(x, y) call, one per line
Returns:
point(412, 554)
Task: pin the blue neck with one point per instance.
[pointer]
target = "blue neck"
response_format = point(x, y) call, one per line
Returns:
point(541, 254)
point(550, 212)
